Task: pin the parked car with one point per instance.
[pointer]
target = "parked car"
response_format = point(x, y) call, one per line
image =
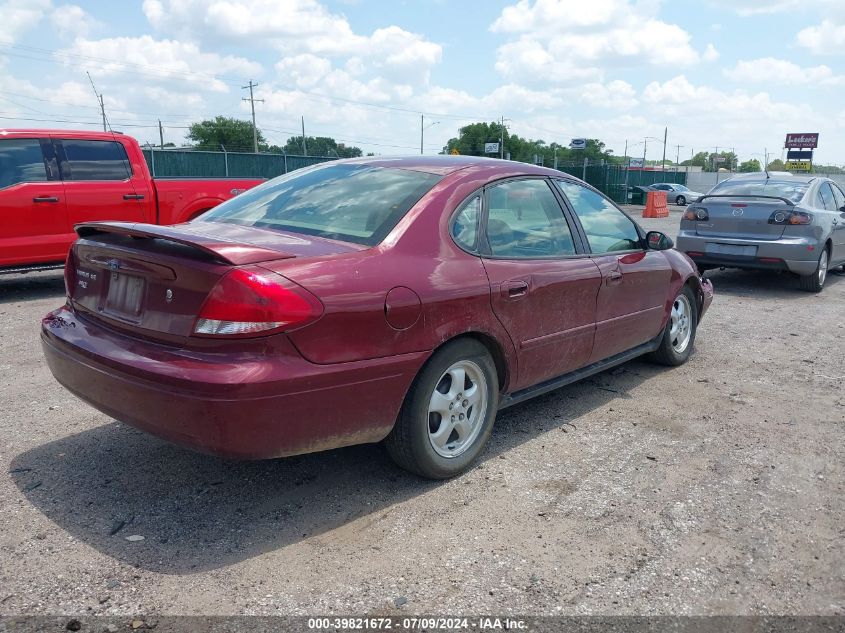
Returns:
point(408, 299)
point(679, 194)
point(773, 221)
point(51, 180)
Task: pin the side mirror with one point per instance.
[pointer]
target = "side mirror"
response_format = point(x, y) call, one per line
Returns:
point(658, 241)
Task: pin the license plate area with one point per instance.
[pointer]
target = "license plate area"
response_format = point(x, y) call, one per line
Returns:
point(737, 250)
point(124, 296)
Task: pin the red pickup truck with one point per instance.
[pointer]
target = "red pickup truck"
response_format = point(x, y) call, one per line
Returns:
point(51, 180)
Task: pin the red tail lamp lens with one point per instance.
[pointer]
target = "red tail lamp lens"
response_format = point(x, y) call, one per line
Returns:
point(255, 302)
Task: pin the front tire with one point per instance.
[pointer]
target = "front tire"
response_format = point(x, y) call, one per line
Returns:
point(679, 335)
point(448, 414)
point(680, 201)
point(814, 282)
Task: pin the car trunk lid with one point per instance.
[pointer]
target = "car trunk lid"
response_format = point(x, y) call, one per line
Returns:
point(741, 217)
point(153, 280)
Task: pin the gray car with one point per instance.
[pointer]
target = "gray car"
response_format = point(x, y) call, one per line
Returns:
point(771, 221)
point(679, 194)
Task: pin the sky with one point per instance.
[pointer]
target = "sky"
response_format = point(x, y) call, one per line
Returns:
point(721, 74)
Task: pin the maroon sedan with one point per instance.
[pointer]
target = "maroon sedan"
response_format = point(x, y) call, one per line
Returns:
point(405, 300)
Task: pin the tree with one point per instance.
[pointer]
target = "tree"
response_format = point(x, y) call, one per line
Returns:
point(776, 165)
point(233, 134)
point(472, 138)
point(750, 166)
point(699, 160)
point(318, 146)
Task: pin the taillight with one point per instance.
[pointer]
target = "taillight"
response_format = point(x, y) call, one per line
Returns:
point(255, 302)
point(70, 272)
point(696, 214)
point(788, 216)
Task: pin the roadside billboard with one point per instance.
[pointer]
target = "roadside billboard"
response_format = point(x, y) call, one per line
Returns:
point(802, 140)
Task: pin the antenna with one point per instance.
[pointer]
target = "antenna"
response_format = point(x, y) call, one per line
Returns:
point(106, 124)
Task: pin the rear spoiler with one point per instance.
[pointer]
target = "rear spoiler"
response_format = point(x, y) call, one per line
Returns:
point(223, 251)
point(784, 200)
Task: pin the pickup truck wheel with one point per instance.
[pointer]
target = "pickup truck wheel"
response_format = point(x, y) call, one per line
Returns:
point(815, 280)
point(448, 414)
point(679, 335)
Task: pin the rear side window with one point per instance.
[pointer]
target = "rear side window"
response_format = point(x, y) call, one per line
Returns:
point(465, 226)
point(525, 221)
point(793, 191)
point(608, 229)
point(838, 196)
point(353, 203)
point(826, 197)
point(21, 160)
point(95, 160)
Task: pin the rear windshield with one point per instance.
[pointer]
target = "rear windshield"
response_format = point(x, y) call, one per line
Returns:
point(793, 191)
point(353, 203)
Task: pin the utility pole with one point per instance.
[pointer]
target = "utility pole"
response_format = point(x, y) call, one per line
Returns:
point(100, 100)
point(304, 146)
point(422, 119)
point(160, 135)
point(252, 101)
point(665, 136)
point(502, 139)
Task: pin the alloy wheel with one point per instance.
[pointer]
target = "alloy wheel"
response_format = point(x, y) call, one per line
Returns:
point(680, 327)
point(457, 409)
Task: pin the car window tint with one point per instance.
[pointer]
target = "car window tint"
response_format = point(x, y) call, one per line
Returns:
point(838, 196)
point(353, 203)
point(793, 191)
point(524, 220)
point(826, 196)
point(21, 160)
point(95, 160)
point(465, 226)
point(607, 228)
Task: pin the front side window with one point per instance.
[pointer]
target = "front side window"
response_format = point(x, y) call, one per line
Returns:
point(465, 226)
point(353, 203)
point(21, 160)
point(95, 160)
point(607, 228)
point(524, 220)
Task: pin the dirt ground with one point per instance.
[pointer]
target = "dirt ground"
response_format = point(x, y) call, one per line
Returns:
point(713, 488)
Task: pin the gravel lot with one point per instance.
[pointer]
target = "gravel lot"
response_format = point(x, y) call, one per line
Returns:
point(713, 488)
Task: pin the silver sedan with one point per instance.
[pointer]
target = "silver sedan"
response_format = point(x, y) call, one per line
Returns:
point(768, 220)
point(679, 194)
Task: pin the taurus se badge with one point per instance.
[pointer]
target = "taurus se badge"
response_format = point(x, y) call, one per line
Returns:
point(168, 296)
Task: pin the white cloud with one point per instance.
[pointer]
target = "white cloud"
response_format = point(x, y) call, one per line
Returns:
point(770, 71)
point(161, 60)
point(71, 21)
point(616, 95)
point(710, 54)
point(294, 27)
point(562, 40)
point(19, 16)
point(825, 38)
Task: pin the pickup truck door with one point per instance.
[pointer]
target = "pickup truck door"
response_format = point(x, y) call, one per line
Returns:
point(34, 226)
point(101, 183)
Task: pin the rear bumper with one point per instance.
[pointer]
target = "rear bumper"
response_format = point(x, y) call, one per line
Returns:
point(248, 406)
point(799, 255)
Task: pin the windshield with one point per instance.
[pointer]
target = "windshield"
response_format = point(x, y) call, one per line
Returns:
point(353, 203)
point(793, 191)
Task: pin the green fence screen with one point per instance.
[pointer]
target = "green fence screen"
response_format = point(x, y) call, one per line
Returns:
point(166, 163)
point(615, 181)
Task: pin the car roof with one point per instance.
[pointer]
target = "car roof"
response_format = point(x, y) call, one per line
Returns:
point(41, 133)
point(447, 164)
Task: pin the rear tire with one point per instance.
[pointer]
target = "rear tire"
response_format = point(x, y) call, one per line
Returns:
point(679, 335)
point(443, 426)
point(814, 282)
point(680, 201)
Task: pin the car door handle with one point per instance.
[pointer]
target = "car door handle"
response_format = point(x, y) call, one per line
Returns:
point(514, 289)
point(45, 199)
point(133, 196)
point(613, 278)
